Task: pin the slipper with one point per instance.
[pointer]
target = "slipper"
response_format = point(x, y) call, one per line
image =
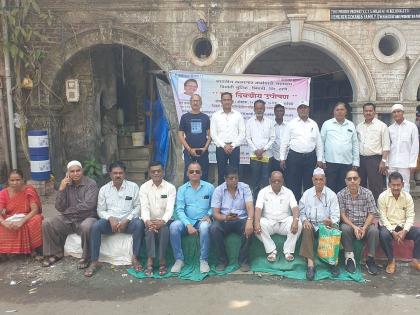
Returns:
point(149, 271)
point(91, 270)
point(289, 257)
point(163, 270)
point(137, 267)
point(272, 257)
point(51, 260)
point(83, 264)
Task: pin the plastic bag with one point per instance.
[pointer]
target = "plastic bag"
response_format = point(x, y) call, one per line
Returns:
point(329, 244)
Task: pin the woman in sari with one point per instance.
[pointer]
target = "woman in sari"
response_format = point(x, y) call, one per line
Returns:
point(20, 217)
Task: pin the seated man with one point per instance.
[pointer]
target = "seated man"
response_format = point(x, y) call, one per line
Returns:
point(357, 211)
point(157, 199)
point(193, 211)
point(233, 212)
point(318, 204)
point(118, 210)
point(396, 213)
point(76, 201)
point(277, 212)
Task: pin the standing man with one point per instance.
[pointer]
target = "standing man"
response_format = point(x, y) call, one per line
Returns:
point(260, 137)
point(277, 212)
point(357, 210)
point(118, 211)
point(303, 143)
point(279, 127)
point(396, 213)
point(318, 204)
point(76, 201)
point(157, 200)
point(194, 134)
point(341, 148)
point(193, 211)
point(227, 129)
point(374, 149)
point(233, 212)
point(404, 145)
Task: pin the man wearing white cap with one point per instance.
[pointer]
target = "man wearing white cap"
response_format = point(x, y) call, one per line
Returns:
point(277, 212)
point(404, 145)
point(76, 201)
point(303, 140)
point(318, 204)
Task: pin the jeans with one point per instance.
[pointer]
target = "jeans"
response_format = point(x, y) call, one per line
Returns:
point(386, 238)
point(102, 226)
point(219, 230)
point(203, 160)
point(259, 171)
point(224, 160)
point(177, 229)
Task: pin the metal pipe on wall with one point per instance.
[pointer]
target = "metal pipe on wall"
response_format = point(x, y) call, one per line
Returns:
point(10, 112)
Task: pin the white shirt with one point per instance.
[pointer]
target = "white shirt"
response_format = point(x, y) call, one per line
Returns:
point(121, 204)
point(404, 144)
point(373, 138)
point(302, 137)
point(227, 128)
point(274, 206)
point(157, 202)
point(260, 135)
point(279, 131)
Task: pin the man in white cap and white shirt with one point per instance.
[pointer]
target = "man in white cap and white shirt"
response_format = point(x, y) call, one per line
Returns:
point(404, 145)
point(318, 204)
point(76, 201)
point(277, 212)
point(303, 140)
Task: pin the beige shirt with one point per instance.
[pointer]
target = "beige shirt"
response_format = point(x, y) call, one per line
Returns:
point(157, 202)
point(373, 138)
point(393, 212)
point(274, 206)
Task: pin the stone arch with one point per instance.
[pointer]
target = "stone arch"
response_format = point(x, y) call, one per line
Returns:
point(315, 36)
point(411, 83)
point(103, 35)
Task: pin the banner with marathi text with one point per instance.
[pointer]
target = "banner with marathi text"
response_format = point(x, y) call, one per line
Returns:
point(245, 88)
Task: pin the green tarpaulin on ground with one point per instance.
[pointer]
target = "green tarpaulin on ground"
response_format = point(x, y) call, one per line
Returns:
point(294, 270)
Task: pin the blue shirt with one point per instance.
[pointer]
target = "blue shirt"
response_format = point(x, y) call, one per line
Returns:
point(223, 200)
point(340, 142)
point(193, 204)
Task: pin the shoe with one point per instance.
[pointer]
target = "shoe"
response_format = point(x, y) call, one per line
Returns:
point(220, 267)
point(350, 265)
point(244, 267)
point(390, 267)
point(335, 271)
point(176, 268)
point(415, 265)
point(204, 266)
point(371, 266)
point(310, 273)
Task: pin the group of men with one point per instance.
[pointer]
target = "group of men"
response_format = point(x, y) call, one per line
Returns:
point(306, 156)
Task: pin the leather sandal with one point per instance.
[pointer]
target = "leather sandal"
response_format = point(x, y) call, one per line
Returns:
point(49, 261)
point(149, 271)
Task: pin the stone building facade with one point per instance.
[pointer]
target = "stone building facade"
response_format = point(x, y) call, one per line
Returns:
point(116, 48)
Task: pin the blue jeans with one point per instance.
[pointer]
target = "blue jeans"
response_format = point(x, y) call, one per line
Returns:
point(177, 229)
point(259, 171)
point(102, 226)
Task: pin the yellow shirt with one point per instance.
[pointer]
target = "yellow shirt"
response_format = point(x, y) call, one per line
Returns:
point(393, 212)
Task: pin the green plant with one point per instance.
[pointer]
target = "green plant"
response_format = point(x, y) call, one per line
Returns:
point(93, 169)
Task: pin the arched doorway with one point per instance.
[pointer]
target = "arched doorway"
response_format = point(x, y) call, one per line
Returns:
point(116, 83)
point(329, 82)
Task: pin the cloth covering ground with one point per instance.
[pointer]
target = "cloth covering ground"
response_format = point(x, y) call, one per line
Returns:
point(294, 270)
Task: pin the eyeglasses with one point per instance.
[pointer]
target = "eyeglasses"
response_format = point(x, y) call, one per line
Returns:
point(355, 178)
point(194, 171)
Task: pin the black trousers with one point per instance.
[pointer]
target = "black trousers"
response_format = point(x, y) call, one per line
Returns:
point(336, 174)
point(224, 160)
point(299, 171)
point(385, 237)
point(370, 176)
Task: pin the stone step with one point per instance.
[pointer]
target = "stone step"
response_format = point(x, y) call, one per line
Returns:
point(137, 177)
point(134, 153)
point(136, 165)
